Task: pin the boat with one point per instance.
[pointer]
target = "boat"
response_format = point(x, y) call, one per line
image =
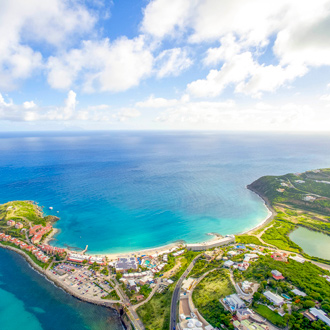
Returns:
point(50, 207)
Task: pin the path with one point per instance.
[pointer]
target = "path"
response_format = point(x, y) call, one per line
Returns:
point(154, 290)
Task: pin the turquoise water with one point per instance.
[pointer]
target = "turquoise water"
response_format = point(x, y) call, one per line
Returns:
point(28, 301)
point(129, 190)
point(313, 243)
point(120, 191)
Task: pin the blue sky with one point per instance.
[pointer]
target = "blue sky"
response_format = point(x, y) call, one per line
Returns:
point(165, 64)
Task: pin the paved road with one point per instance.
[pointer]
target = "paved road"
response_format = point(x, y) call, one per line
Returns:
point(134, 317)
point(176, 293)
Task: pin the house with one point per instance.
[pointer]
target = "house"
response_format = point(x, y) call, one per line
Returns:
point(309, 198)
point(10, 223)
point(318, 313)
point(243, 314)
point(19, 225)
point(228, 263)
point(278, 256)
point(231, 253)
point(243, 266)
point(277, 275)
point(6, 238)
point(274, 298)
point(234, 302)
point(299, 293)
point(246, 286)
point(36, 238)
point(178, 253)
point(140, 297)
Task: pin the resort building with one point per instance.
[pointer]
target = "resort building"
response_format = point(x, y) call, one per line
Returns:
point(274, 298)
point(75, 257)
point(211, 244)
point(234, 302)
point(318, 313)
point(19, 225)
point(98, 260)
point(277, 275)
point(123, 264)
point(10, 223)
point(34, 229)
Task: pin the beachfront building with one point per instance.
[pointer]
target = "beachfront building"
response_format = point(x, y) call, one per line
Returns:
point(10, 223)
point(277, 275)
point(124, 264)
point(211, 244)
point(274, 298)
point(51, 249)
point(19, 225)
point(318, 313)
point(97, 260)
point(178, 253)
point(75, 257)
point(234, 302)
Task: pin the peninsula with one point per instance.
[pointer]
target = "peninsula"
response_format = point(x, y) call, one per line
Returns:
point(256, 280)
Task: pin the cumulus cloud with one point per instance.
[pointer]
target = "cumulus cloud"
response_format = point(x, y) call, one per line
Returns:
point(102, 65)
point(37, 21)
point(243, 29)
point(171, 62)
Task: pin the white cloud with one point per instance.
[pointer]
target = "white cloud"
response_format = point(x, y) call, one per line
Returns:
point(127, 113)
point(29, 105)
point(31, 112)
point(232, 72)
point(53, 22)
point(300, 29)
point(230, 116)
point(102, 65)
point(325, 97)
point(172, 62)
point(162, 17)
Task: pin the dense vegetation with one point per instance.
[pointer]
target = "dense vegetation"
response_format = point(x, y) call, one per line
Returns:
point(247, 239)
point(277, 235)
point(207, 293)
point(155, 314)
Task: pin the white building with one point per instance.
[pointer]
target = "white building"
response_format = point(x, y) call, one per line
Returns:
point(299, 293)
point(274, 298)
point(228, 263)
point(234, 302)
point(298, 259)
point(211, 244)
point(320, 315)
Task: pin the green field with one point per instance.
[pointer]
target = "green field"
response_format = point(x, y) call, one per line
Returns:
point(271, 316)
point(207, 293)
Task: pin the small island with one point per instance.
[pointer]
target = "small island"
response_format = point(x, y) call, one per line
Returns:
point(257, 280)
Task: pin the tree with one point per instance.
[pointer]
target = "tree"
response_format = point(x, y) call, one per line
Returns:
point(308, 304)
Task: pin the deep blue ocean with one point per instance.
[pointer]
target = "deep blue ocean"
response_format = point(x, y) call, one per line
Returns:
point(121, 191)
